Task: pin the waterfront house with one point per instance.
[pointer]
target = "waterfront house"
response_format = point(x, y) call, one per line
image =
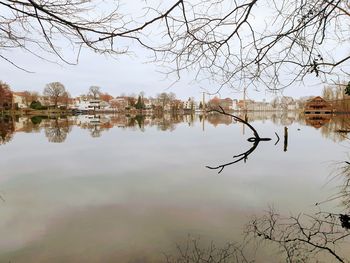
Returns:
point(88, 104)
point(226, 104)
point(318, 105)
point(19, 100)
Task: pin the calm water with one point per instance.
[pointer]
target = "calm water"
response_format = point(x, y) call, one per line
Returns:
point(129, 189)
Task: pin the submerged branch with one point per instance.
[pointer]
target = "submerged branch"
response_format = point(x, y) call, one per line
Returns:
point(243, 156)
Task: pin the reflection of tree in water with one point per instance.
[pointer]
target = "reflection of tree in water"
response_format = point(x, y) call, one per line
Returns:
point(341, 174)
point(322, 237)
point(344, 191)
point(166, 124)
point(309, 238)
point(318, 237)
point(194, 251)
point(137, 121)
point(33, 124)
point(7, 129)
point(57, 130)
point(95, 131)
point(302, 238)
point(337, 129)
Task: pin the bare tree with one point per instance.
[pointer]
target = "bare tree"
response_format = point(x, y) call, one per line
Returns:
point(48, 26)
point(55, 91)
point(328, 93)
point(165, 98)
point(238, 43)
point(229, 41)
point(95, 91)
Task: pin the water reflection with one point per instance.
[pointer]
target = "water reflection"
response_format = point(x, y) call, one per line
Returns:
point(194, 250)
point(256, 139)
point(7, 129)
point(320, 236)
point(309, 237)
point(137, 191)
point(303, 238)
point(57, 129)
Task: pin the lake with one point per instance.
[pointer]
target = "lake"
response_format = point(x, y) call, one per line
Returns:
point(115, 188)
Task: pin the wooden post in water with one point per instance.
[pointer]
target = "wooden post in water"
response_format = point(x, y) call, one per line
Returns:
point(285, 138)
point(203, 120)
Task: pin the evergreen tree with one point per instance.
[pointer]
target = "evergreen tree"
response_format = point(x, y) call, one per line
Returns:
point(347, 89)
point(139, 103)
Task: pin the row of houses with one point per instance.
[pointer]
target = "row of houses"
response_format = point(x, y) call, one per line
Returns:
point(128, 103)
point(284, 104)
point(123, 103)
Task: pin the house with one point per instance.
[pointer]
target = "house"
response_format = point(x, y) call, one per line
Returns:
point(177, 105)
point(318, 105)
point(19, 100)
point(243, 104)
point(44, 100)
point(147, 104)
point(120, 103)
point(259, 106)
point(293, 106)
point(189, 105)
point(88, 104)
point(104, 106)
point(226, 104)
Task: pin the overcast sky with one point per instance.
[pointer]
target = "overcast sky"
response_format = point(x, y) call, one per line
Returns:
point(116, 76)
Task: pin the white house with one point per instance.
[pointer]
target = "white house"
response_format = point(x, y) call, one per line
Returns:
point(19, 100)
point(88, 105)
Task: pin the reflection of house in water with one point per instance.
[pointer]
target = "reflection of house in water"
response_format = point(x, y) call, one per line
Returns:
point(92, 119)
point(216, 119)
point(318, 105)
point(317, 120)
point(94, 123)
point(317, 112)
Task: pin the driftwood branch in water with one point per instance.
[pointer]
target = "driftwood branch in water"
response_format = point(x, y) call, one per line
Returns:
point(278, 138)
point(243, 156)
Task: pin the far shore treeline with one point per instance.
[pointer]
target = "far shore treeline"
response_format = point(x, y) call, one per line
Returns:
point(55, 98)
